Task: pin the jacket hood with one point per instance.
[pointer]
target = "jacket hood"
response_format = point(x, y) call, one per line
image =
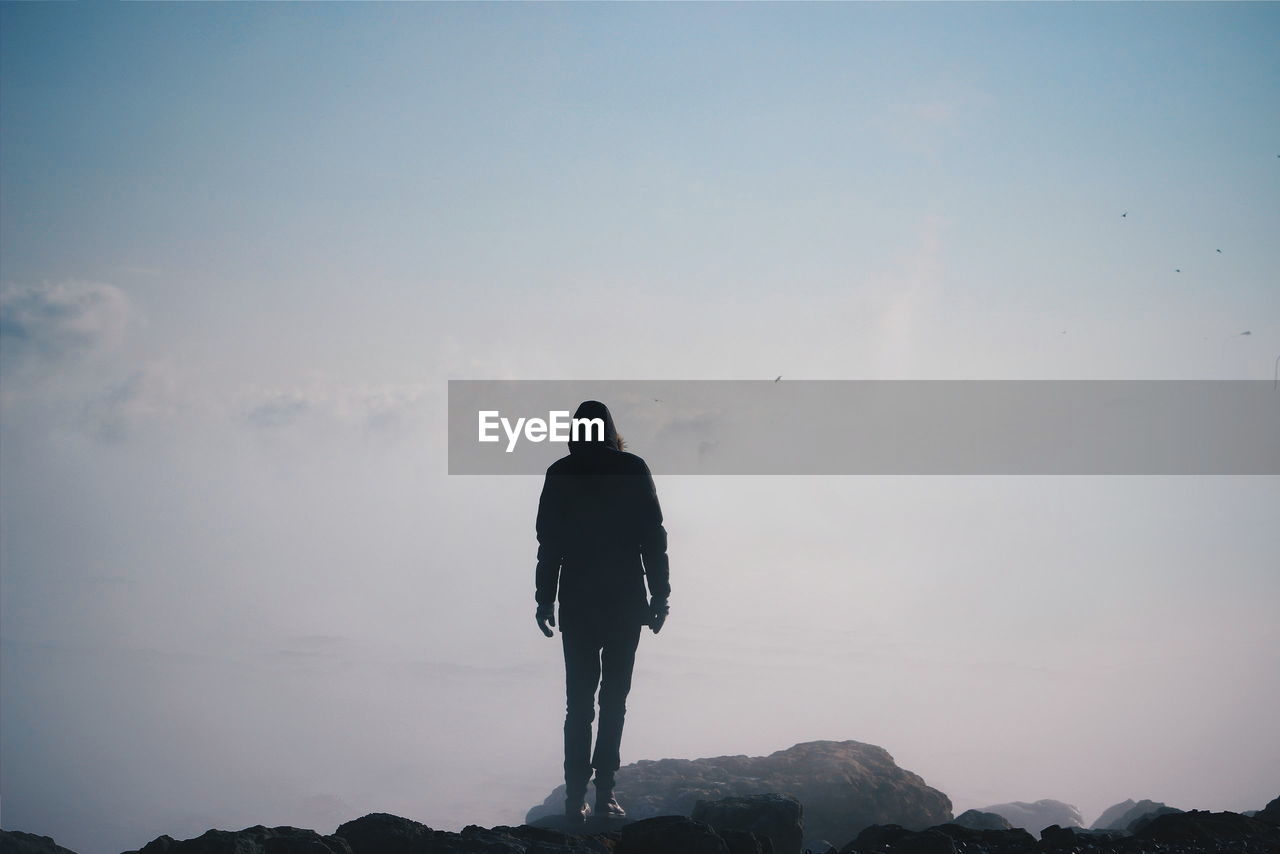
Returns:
point(594, 409)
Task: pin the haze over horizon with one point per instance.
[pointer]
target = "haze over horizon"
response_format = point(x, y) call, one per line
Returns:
point(244, 248)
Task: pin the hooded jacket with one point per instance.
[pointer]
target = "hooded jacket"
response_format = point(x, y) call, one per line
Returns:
point(599, 527)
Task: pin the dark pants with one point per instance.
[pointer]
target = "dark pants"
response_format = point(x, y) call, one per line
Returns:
point(598, 651)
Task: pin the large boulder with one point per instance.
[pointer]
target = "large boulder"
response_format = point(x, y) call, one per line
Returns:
point(1123, 815)
point(843, 787)
point(1037, 815)
point(779, 818)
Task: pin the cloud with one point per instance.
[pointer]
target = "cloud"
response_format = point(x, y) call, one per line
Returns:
point(54, 323)
point(381, 409)
point(161, 398)
point(155, 393)
point(279, 410)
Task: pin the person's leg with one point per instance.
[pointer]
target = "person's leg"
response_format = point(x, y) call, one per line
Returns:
point(617, 657)
point(582, 674)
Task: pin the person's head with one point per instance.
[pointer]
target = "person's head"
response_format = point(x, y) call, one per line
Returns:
point(589, 437)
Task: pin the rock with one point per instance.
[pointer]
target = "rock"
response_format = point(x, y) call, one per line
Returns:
point(252, 840)
point(17, 842)
point(1200, 826)
point(843, 787)
point(746, 842)
point(1271, 812)
point(899, 840)
point(382, 833)
point(779, 818)
point(1122, 815)
point(945, 839)
point(1111, 815)
point(1006, 839)
point(978, 820)
point(819, 846)
point(595, 824)
point(877, 836)
point(1054, 838)
point(386, 833)
point(1145, 818)
point(669, 834)
point(1038, 815)
point(1184, 833)
point(514, 840)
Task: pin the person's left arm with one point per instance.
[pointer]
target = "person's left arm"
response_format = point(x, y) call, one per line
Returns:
point(550, 553)
point(653, 550)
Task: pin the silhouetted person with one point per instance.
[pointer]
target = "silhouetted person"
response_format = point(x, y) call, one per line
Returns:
point(600, 535)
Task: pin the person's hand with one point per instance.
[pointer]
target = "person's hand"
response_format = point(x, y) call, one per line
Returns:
point(546, 617)
point(658, 614)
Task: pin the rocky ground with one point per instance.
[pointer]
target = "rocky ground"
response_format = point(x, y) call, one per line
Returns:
point(819, 797)
point(767, 824)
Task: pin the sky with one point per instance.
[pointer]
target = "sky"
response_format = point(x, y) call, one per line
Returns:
point(244, 248)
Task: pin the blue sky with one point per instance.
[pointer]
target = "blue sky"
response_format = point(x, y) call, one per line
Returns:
point(245, 247)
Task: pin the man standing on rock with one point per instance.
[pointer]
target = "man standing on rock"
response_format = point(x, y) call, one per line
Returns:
point(600, 535)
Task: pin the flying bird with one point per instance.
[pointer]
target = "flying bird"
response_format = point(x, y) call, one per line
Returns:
point(1123, 215)
point(777, 378)
point(1178, 270)
point(1219, 251)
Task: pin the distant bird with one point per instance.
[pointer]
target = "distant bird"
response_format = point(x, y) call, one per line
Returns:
point(656, 400)
point(777, 378)
point(1219, 251)
point(1123, 215)
point(1178, 270)
point(1246, 332)
point(1064, 332)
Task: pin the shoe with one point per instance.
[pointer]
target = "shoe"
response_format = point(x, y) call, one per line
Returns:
point(576, 810)
point(607, 806)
